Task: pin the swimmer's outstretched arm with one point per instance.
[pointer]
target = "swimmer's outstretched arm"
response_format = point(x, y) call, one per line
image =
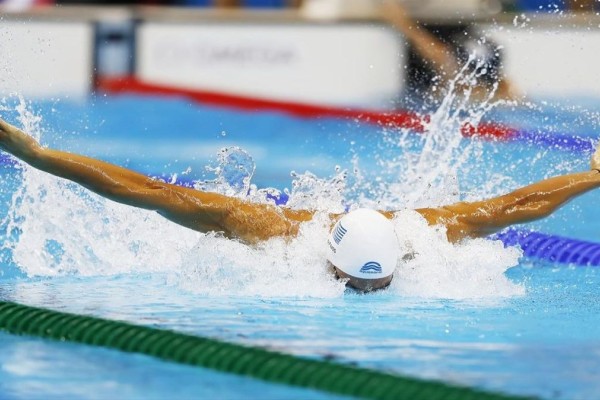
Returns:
point(427, 45)
point(530, 203)
point(201, 211)
point(433, 50)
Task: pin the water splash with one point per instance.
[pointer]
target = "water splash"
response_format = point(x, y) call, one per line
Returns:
point(234, 170)
point(425, 173)
point(58, 228)
point(275, 268)
point(314, 193)
point(435, 268)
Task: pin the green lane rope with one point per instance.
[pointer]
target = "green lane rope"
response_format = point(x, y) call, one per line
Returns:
point(227, 357)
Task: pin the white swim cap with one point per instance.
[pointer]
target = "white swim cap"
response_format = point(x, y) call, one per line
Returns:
point(363, 244)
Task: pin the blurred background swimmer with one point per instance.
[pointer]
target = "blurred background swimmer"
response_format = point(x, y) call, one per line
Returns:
point(461, 50)
point(363, 244)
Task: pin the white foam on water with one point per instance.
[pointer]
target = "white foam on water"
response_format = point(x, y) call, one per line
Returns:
point(56, 228)
point(61, 228)
point(275, 268)
point(435, 268)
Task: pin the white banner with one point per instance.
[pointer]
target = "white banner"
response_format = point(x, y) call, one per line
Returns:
point(554, 62)
point(46, 59)
point(339, 65)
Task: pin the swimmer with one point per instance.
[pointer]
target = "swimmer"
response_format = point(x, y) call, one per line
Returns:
point(446, 61)
point(362, 245)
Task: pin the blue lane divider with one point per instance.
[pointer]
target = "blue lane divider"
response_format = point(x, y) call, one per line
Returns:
point(555, 249)
point(556, 141)
point(6, 160)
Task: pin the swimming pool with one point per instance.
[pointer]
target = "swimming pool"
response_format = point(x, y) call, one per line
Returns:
point(476, 320)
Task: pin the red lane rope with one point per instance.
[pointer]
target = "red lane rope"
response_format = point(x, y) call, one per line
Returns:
point(395, 119)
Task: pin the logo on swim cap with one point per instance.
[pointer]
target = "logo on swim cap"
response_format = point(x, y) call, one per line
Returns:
point(372, 267)
point(339, 233)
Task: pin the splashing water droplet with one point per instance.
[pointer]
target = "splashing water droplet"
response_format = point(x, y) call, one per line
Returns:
point(234, 170)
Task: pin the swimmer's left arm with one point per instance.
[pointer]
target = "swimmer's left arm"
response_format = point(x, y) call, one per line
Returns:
point(529, 203)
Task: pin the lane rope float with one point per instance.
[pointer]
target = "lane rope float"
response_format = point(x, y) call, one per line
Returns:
point(552, 248)
point(255, 362)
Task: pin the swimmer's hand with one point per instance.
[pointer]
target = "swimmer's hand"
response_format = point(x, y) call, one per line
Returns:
point(17, 142)
point(595, 161)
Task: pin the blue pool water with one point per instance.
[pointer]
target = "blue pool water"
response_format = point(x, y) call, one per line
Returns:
point(474, 319)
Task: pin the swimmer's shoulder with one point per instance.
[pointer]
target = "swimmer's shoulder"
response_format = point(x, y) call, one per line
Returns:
point(431, 215)
point(452, 217)
point(435, 216)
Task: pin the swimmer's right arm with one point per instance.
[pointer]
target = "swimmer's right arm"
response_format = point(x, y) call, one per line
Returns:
point(113, 182)
point(427, 45)
point(201, 211)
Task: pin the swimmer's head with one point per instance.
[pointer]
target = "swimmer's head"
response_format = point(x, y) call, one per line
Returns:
point(363, 248)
